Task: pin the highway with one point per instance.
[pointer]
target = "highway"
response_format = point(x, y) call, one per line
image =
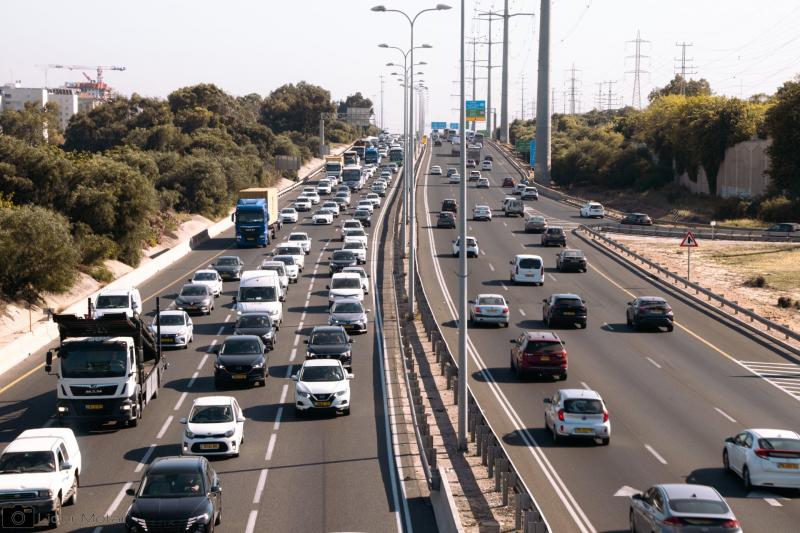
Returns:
point(673, 397)
point(316, 474)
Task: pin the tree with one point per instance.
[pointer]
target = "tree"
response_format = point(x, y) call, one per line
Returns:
point(37, 252)
point(683, 87)
point(783, 127)
point(31, 123)
point(295, 108)
point(355, 100)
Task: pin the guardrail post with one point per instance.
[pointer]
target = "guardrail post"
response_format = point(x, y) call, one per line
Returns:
point(522, 501)
point(454, 379)
point(479, 438)
point(500, 474)
point(485, 447)
point(490, 460)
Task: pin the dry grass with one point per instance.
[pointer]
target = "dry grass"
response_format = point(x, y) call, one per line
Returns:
point(742, 223)
point(780, 265)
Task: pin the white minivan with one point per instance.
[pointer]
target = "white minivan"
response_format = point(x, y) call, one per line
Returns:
point(279, 267)
point(112, 301)
point(527, 269)
point(260, 290)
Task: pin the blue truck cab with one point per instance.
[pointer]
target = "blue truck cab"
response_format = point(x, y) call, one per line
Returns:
point(372, 156)
point(252, 222)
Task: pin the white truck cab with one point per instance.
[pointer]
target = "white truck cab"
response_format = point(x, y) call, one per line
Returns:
point(112, 301)
point(39, 472)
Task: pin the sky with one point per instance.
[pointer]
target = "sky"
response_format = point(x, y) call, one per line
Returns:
point(741, 47)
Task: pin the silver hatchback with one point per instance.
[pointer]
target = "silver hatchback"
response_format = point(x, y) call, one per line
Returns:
point(682, 508)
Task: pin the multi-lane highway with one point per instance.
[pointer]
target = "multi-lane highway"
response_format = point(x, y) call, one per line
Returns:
point(316, 474)
point(673, 397)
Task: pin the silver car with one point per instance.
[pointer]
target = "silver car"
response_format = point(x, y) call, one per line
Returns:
point(681, 508)
point(195, 297)
point(350, 314)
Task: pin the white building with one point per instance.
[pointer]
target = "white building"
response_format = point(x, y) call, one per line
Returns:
point(14, 97)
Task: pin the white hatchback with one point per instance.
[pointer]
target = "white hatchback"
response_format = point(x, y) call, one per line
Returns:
point(215, 426)
point(300, 238)
point(210, 278)
point(356, 246)
point(289, 215)
point(578, 414)
point(486, 165)
point(527, 269)
point(592, 210)
point(472, 247)
point(764, 457)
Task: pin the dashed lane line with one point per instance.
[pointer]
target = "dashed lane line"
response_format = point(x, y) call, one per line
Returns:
point(146, 458)
point(654, 363)
point(725, 415)
point(655, 454)
point(165, 427)
point(262, 480)
point(271, 447)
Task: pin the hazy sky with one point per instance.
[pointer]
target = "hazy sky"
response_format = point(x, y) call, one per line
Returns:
point(741, 47)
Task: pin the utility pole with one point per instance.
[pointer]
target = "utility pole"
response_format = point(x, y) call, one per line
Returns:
point(474, 42)
point(636, 98)
point(542, 162)
point(382, 102)
point(463, 365)
point(490, 16)
point(522, 98)
point(504, 95)
point(683, 60)
point(573, 91)
point(611, 96)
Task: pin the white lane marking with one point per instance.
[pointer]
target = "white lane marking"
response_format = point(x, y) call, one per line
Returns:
point(608, 326)
point(285, 388)
point(262, 480)
point(654, 363)
point(482, 252)
point(726, 415)
point(270, 447)
point(220, 330)
point(303, 316)
point(296, 340)
point(773, 502)
point(146, 457)
point(277, 425)
point(503, 285)
point(506, 225)
point(293, 354)
point(552, 277)
point(227, 318)
point(191, 381)
point(251, 522)
point(585, 386)
point(210, 346)
point(491, 267)
point(522, 312)
point(202, 362)
point(118, 500)
point(180, 401)
point(164, 428)
point(655, 454)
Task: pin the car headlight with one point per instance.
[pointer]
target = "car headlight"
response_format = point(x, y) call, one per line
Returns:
point(272, 312)
point(302, 394)
point(183, 331)
point(258, 365)
point(189, 434)
point(218, 365)
point(341, 393)
point(229, 433)
point(203, 518)
point(46, 493)
point(138, 521)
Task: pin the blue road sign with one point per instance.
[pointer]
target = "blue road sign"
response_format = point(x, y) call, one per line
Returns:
point(438, 125)
point(533, 152)
point(454, 125)
point(476, 110)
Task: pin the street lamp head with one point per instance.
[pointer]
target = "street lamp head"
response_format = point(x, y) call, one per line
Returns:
point(426, 46)
point(441, 7)
point(422, 63)
point(391, 65)
point(380, 9)
point(383, 45)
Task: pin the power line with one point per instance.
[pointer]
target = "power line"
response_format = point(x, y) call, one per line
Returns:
point(636, 98)
point(684, 71)
point(573, 92)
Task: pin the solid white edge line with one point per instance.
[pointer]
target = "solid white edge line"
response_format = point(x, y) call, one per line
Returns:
point(164, 428)
point(118, 499)
point(262, 480)
point(655, 454)
point(144, 460)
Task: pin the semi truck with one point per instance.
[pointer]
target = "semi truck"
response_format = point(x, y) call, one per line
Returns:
point(474, 152)
point(372, 156)
point(351, 158)
point(256, 216)
point(334, 164)
point(109, 368)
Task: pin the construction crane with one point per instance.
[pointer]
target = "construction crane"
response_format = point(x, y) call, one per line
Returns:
point(98, 68)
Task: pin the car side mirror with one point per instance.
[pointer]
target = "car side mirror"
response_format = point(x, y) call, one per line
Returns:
point(350, 376)
point(368, 311)
point(132, 492)
point(216, 488)
point(513, 341)
point(547, 400)
point(544, 300)
point(48, 358)
point(472, 301)
point(729, 439)
point(241, 419)
point(328, 287)
point(636, 497)
point(305, 341)
point(294, 377)
point(233, 299)
point(189, 280)
point(66, 465)
point(182, 421)
point(630, 303)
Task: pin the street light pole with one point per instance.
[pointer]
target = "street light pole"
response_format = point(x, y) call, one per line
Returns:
point(462, 256)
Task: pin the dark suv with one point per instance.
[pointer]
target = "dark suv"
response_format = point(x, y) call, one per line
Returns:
point(341, 259)
point(571, 260)
point(565, 308)
point(539, 353)
point(450, 205)
point(637, 219)
point(554, 235)
point(651, 311)
point(241, 360)
point(446, 219)
point(330, 342)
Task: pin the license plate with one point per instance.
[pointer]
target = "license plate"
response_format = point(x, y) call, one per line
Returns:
point(790, 466)
point(492, 311)
point(322, 404)
point(569, 313)
point(349, 326)
point(214, 446)
point(544, 358)
point(239, 376)
point(167, 340)
point(94, 406)
point(250, 238)
point(584, 430)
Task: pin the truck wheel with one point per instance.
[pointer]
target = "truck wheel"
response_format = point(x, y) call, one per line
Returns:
point(74, 498)
point(54, 516)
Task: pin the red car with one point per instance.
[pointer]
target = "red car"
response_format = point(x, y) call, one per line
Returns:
point(508, 182)
point(539, 353)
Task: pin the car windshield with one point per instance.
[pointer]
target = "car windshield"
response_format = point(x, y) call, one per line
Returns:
point(446, 214)
point(288, 211)
point(328, 337)
point(171, 320)
point(697, 506)
point(253, 321)
point(275, 268)
point(491, 300)
point(361, 213)
point(572, 253)
point(355, 233)
point(27, 462)
point(285, 259)
point(205, 276)
point(298, 238)
point(178, 485)
point(530, 263)
point(471, 242)
point(555, 231)
point(352, 225)
point(353, 246)
point(343, 256)
point(194, 290)
point(537, 219)
point(290, 250)
point(780, 444)
point(112, 302)
point(346, 283)
point(239, 346)
point(248, 217)
point(652, 303)
point(348, 307)
point(544, 347)
point(227, 261)
point(583, 406)
point(321, 373)
point(211, 414)
point(82, 360)
point(257, 294)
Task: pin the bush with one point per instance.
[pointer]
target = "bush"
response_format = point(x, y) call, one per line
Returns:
point(785, 302)
point(757, 281)
point(93, 248)
point(36, 252)
point(102, 274)
point(779, 209)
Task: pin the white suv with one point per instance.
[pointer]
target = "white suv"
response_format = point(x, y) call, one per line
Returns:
point(215, 426)
point(322, 385)
point(592, 210)
point(527, 269)
point(345, 285)
point(110, 301)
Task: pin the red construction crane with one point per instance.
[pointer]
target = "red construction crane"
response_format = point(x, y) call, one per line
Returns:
point(99, 68)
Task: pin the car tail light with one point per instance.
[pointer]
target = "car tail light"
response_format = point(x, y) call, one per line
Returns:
point(760, 452)
point(477, 309)
point(561, 414)
point(673, 521)
point(505, 310)
point(605, 416)
point(730, 524)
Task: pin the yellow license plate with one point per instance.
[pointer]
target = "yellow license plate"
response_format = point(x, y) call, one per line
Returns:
point(790, 466)
point(568, 313)
point(94, 406)
point(209, 446)
point(322, 404)
point(239, 376)
point(584, 430)
point(167, 341)
point(545, 358)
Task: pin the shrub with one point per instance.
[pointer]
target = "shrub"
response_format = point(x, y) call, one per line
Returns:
point(785, 302)
point(101, 274)
point(757, 281)
point(93, 248)
point(778, 209)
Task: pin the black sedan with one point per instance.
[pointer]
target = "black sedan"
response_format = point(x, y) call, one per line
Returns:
point(259, 324)
point(652, 311)
point(446, 219)
point(637, 219)
point(571, 260)
point(182, 492)
point(241, 360)
point(330, 342)
point(341, 259)
point(564, 308)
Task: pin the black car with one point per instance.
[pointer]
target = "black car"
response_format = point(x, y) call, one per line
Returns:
point(637, 219)
point(437, 142)
point(446, 219)
point(785, 227)
point(564, 308)
point(241, 360)
point(259, 324)
point(176, 494)
point(652, 311)
point(571, 260)
point(488, 158)
point(229, 267)
point(330, 342)
point(554, 235)
point(450, 205)
point(341, 259)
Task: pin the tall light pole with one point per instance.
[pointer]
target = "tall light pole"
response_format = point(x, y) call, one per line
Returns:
point(542, 156)
point(462, 255)
point(412, 187)
point(504, 94)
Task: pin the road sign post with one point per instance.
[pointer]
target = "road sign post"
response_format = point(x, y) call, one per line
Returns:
point(689, 241)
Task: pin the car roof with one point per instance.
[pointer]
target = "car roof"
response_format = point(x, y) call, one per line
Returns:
point(41, 439)
point(579, 394)
point(774, 433)
point(205, 287)
point(566, 295)
point(176, 464)
point(298, 233)
point(228, 257)
point(528, 256)
point(117, 292)
point(651, 299)
point(213, 400)
point(241, 337)
point(542, 336)
point(205, 271)
point(345, 275)
point(347, 300)
point(488, 295)
point(326, 328)
point(681, 491)
point(169, 312)
point(322, 362)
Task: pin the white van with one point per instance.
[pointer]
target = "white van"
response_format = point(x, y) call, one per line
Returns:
point(527, 269)
point(279, 267)
point(260, 290)
point(513, 206)
point(112, 301)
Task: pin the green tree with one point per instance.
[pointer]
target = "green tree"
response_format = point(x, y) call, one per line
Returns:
point(296, 108)
point(31, 123)
point(678, 85)
point(783, 127)
point(355, 100)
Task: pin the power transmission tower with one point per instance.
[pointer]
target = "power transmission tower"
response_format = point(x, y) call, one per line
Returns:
point(599, 98)
point(683, 69)
point(636, 98)
point(522, 98)
point(611, 97)
point(573, 91)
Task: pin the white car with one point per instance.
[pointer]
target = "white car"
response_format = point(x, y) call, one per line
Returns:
point(211, 279)
point(379, 187)
point(362, 274)
point(333, 206)
point(295, 250)
point(374, 198)
point(322, 384)
point(122, 300)
point(474, 175)
point(530, 193)
point(176, 328)
point(483, 183)
point(289, 215)
point(764, 457)
point(345, 285)
point(302, 204)
point(313, 196)
point(454, 178)
point(489, 308)
point(355, 234)
point(366, 204)
point(323, 216)
point(308, 189)
point(578, 414)
point(283, 274)
point(518, 188)
point(592, 210)
point(486, 165)
point(482, 212)
point(356, 246)
point(436, 170)
point(215, 426)
point(300, 238)
point(292, 267)
point(352, 223)
point(324, 187)
point(472, 247)
point(527, 269)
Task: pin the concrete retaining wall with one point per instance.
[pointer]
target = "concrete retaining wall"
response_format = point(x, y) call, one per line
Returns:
point(743, 172)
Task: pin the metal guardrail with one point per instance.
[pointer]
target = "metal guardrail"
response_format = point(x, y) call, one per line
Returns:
point(702, 232)
point(710, 296)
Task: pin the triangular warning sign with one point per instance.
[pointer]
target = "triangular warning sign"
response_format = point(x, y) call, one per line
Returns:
point(689, 240)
